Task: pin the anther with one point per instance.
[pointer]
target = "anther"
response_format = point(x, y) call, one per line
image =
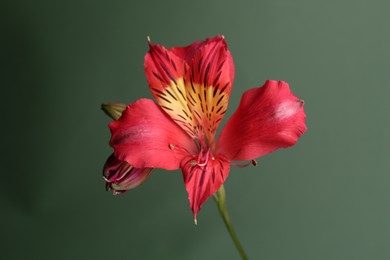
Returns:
point(254, 162)
point(171, 146)
point(193, 163)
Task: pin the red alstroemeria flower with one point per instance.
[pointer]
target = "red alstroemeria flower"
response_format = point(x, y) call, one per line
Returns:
point(192, 86)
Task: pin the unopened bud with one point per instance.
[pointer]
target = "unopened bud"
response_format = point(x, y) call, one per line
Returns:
point(114, 110)
point(121, 176)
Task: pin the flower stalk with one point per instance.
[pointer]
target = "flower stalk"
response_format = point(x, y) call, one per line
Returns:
point(220, 199)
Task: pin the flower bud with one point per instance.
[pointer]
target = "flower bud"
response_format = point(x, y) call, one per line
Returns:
point(114, 110)
point(121, 176)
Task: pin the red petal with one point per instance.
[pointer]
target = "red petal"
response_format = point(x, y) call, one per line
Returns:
point(162, 67)
point(209, 82)
point(267, 118)
point(187, 53)
point(145, 136)
point(165, 75)
point(192, 84)
point(203, 181)
point(212, 65)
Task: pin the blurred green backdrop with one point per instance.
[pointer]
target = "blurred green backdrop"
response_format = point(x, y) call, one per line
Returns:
point(325, 198)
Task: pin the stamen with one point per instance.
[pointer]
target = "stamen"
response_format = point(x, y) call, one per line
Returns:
point(240, 165)
point(254, 162)
point(203, 164)
point(207, 158)
point(171, 146)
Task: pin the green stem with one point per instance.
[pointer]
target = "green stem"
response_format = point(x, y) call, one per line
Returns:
point(220, 199)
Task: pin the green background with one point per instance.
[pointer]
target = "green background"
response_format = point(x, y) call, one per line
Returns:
point(325, 198)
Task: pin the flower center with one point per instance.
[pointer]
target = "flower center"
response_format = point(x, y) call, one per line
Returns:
point(203, 157)
point(205, 154)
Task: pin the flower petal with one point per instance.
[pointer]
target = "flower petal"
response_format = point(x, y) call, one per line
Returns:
point(186, 53)
point(192, 84)
point(165, 75)
point(121, 176)
point(267, 118)
point(203, 181)
point(209, 82)
point(145, 136)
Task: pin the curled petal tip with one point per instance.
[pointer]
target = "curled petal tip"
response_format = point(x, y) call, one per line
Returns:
point(149, 42)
